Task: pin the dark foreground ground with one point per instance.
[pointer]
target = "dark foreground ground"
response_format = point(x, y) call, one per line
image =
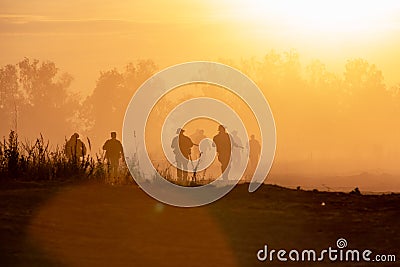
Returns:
point(102, 225)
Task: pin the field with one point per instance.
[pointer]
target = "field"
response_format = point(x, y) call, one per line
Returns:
point(93, 224)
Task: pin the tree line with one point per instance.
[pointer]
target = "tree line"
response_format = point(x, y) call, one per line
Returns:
point(320, 115)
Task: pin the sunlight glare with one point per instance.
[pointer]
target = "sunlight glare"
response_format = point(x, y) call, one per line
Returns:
point(313, 16)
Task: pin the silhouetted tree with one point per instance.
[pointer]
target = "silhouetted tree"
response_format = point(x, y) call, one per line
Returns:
point(105, 108)
point(359, 75)
point(36, 99)
point(364, 87)
point(10, 98)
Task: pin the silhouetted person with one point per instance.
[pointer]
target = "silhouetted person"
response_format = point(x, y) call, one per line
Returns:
point(75, 149)
point(356, 191)
point(114, 152)
point(237, 149)
point(197, 137)
point(254, 154)
point(223, 143)
point(183, 144)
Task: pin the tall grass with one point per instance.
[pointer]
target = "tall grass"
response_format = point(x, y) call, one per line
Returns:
point(36, 161)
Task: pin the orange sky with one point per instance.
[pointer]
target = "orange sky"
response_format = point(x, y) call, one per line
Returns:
point(85, 37)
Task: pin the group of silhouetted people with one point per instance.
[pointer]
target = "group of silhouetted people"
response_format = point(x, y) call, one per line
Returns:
point(227, 145)
point(75, 151)
point(223, 142)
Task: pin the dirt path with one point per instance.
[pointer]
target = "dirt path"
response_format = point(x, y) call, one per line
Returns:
point(100, 225)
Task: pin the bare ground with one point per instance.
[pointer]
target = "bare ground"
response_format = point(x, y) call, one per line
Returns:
point(100, 225)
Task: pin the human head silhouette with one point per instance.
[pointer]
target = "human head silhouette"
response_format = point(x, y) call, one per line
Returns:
point(113, 135)
point(180, 131)
point(252, 137)
point(221, 128)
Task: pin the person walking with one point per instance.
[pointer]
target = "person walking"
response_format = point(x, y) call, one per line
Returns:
point(75, 149)
point(222, 141)
point(114, 152)
point(181, 145)
point(254, 155)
